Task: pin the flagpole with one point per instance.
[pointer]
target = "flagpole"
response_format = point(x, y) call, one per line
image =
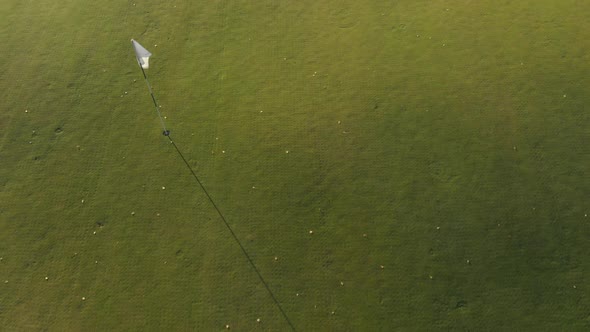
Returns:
point(166, 131)
point(141, 52)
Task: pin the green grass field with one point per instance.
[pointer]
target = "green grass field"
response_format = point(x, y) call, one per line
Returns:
point(438, 150)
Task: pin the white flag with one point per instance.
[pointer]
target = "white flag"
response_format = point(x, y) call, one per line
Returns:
point(142, 55)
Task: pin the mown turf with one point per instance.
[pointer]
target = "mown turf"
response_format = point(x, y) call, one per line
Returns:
point(437, 150)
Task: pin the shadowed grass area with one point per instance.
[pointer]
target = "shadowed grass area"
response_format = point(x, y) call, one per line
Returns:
point(436, 150)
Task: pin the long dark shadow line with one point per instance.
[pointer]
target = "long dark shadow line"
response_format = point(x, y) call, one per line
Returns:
point(233, 234)
point(167, 134)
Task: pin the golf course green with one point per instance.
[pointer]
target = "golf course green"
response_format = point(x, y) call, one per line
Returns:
point(384, 165)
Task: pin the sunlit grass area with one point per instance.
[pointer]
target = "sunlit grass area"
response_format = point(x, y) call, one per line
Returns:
point(417, 165)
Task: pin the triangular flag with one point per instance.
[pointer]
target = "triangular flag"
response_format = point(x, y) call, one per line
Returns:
point(142, 55)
